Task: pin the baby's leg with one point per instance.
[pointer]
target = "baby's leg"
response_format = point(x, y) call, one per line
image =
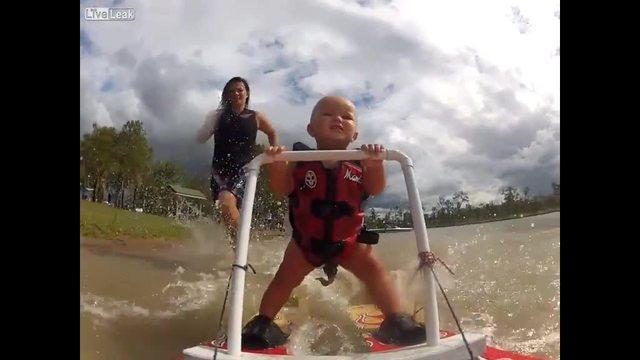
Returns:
point(292, 270)
point(366, 267)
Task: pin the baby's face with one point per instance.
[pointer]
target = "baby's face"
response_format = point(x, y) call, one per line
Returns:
point(334, 121)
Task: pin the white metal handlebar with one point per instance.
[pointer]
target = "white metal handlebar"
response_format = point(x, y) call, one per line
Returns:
point(323, 155)
point(422, 241)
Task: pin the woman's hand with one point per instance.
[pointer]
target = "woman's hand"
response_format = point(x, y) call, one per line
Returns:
point(275, 150)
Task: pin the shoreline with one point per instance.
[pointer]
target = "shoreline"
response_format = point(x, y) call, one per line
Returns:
point(145, 247)
point(129, 247)
point(493, 220)
point(156, 247)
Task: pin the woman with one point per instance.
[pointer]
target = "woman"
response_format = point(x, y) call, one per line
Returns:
point(234, 127)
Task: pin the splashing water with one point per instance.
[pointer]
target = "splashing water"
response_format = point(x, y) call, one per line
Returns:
point(506, 286)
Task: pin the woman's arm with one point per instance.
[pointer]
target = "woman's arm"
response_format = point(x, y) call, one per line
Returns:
point(265, 126)
point(209, 126)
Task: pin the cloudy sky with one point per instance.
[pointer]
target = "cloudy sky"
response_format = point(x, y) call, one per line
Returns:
point(468, 89)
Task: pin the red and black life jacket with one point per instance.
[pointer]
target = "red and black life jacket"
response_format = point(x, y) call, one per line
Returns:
point(325, 209)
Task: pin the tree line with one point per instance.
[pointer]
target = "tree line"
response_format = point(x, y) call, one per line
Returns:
point(455, 209)
point(118, 165)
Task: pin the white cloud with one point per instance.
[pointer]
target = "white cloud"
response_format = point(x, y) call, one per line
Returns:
point(456, 84)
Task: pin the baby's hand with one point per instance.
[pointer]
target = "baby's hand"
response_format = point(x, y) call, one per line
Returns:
point(373, 150)
point(275, 150)
point(280, 179)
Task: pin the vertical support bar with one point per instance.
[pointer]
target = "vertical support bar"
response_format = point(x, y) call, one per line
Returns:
point(242, 249)
point(432, 322)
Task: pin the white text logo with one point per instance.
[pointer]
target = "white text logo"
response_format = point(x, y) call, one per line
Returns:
point(109, 14)
point(352, 177)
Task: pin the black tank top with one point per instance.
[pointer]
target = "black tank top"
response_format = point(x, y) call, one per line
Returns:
point(235, 139)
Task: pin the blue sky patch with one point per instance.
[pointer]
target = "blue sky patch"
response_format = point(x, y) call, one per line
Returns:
point(86, 45)
point(297, 95)
point(108, 85)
